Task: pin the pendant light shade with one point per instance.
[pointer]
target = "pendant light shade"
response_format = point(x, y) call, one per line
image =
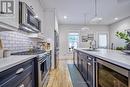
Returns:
point(85, 23)
point(96, 18)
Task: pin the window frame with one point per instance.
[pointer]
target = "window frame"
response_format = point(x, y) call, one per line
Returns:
point(69, 34)
point(106, 40)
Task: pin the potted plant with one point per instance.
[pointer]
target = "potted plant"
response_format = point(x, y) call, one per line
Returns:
point(126, 37)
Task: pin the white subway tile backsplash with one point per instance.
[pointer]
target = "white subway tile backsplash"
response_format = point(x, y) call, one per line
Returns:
point(15, 41)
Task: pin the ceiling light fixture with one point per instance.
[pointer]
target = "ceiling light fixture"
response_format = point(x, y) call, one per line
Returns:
point(36, 16)
point(85, 23)
point(96, 18)
point(116, 18)
point(65, 17)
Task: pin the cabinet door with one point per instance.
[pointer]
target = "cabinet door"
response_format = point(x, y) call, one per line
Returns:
point(11, 21)
point(90, 72)
point(17, 75)
point(27, 81)
point(83, 65)
point(80, 62)
point(85, 69)
point(75, 58)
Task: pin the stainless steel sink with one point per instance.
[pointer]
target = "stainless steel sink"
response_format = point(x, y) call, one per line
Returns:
point(90, 49)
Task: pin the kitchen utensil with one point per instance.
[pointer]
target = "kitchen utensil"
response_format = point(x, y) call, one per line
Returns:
point(6, 53)
point(1, 45)
point(1, 49)
point(1, 53)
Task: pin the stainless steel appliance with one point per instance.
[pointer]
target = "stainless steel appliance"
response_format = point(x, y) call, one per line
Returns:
point(56, 49)
point(42, 66)
point(27, 19)
point(43, 70)
point(110, 75)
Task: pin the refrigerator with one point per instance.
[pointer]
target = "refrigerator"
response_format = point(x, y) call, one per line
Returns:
point(56, 49)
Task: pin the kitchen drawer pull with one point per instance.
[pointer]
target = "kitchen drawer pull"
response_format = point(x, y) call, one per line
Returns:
point(22, 85)
point(89, 64)
point(90, 58)
point(19, 70)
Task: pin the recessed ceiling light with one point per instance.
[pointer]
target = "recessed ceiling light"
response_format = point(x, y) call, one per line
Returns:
point(100, 18)
point(65, 17)
point(36, 16)
point(96, 19)
point(85, 28)
point(116, 18)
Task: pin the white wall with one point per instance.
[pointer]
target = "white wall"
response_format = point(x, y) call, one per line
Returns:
point(50, 24)
point(65, 29)
point(119, 26)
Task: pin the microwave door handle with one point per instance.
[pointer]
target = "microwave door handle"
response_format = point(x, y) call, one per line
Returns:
point(33, 20)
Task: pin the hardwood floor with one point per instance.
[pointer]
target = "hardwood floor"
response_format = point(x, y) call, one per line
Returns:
point(60, 77)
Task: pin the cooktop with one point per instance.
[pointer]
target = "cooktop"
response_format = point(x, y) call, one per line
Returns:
point(34, 52)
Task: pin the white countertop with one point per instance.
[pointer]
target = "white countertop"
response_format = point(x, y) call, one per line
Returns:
point(116, 57)
point(6, 63)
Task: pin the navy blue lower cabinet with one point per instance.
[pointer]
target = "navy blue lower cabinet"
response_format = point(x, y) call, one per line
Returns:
point(86, 66)
point(21, 75)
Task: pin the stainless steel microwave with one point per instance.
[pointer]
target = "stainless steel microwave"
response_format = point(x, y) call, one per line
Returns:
point(27, 19)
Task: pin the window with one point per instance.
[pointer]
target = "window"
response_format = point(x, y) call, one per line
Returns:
point(73, 39)
point(102, 40)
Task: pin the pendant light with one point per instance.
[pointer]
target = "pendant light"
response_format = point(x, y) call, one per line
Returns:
point(85, 22)
point(96, 18)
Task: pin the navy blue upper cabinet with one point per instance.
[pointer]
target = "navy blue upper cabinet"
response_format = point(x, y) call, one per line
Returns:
point(21, 75)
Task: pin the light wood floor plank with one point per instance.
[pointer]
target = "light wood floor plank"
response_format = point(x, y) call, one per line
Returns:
point(60, 77)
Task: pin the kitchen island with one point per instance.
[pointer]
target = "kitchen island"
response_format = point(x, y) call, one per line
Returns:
point(98, 65)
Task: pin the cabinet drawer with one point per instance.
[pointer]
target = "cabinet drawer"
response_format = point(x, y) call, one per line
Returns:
point(30, 84)
point(13, 78)
point(11, 73)
point(14, 81)
point(27, 81)
point(90, 58)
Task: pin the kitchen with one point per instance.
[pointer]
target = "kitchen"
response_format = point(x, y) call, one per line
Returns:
point(45, 43)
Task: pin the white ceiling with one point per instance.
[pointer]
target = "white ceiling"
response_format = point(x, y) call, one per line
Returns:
point(75, 10)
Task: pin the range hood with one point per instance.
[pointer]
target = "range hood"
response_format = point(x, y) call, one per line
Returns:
point(36, 36)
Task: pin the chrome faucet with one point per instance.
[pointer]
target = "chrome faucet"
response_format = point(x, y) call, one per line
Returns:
point(93, 44)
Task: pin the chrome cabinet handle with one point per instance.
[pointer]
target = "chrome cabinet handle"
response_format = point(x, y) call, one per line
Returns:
point(19, 70)
point(22, 85)
point(89, 64)
point(90, 58)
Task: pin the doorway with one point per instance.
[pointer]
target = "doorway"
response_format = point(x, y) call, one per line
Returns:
point(73, 41)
